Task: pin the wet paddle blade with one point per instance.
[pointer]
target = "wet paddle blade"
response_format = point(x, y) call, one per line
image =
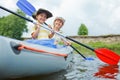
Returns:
point(26, 7)
point(107, 56)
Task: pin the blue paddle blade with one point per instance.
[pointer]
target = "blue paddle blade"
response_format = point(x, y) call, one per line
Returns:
point(89, 58)
point(26, 7)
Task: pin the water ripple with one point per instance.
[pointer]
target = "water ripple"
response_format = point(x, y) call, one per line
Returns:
point(92, 70)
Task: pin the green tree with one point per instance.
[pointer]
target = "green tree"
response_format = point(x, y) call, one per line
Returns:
point(83, 30)
point(13, 26)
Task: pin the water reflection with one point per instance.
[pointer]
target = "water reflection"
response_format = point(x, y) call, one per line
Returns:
point(107, 71)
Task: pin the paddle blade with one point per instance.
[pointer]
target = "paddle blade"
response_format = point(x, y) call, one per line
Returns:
point(89, 58)
point(26, 7)
point(107, 56)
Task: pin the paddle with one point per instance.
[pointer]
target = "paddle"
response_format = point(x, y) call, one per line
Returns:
point(26, 7)
point(103, 54)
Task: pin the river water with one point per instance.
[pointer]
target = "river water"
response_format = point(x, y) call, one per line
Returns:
point(81, 69)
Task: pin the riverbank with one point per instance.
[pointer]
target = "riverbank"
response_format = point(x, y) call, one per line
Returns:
point(112, 46)
point(111, 42)
point(103, 38)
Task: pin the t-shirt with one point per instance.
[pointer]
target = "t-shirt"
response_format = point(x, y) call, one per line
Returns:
point(43, 33)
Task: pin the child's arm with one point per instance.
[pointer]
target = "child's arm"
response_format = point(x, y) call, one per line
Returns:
point(36, 32)
point(50, 26)
point(66, 42)
point(52, 33)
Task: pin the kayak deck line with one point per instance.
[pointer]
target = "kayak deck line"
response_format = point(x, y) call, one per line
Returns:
point(22, 46)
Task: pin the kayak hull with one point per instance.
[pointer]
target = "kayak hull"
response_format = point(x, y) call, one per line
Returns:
point(29, 63)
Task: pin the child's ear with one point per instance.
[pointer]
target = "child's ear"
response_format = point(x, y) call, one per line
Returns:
point(36, 17)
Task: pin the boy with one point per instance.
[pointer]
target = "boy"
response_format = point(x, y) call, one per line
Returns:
point(41, 16)
point(57, 25)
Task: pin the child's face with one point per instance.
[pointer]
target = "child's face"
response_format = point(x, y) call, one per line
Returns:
point(41, 18)
point(58, 23)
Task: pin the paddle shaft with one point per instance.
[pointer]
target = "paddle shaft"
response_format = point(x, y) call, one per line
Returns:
point(16, 14)
point(47, 28)
point(78, 51)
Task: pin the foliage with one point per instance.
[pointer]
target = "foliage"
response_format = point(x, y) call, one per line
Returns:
point(13, 26)
point(83, 50)
point(83, 30)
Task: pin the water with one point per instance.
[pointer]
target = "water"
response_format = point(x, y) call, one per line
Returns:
point(81, 69)
point(92, 70)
